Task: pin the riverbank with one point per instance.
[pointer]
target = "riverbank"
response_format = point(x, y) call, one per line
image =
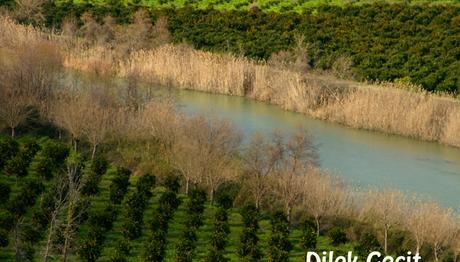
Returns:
point(388, 107)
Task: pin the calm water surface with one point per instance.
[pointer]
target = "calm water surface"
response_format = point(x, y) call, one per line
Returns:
point(362, 158)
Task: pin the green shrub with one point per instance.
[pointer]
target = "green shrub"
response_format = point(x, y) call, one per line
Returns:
point(248, 248)
point(5, 191)
point(186, 246)
point(51, 157)
point(9, 148)
point(99, 165)
point(16, 166)
point(278, 243)
point(226, 194)
point(308, 239)
point(122, 251)
point(103, 220)
point(119, 185)
point(219, 236)
point(90, 250)
point(3, 238)
point(6, 220)
point(155, 248)
point(172, 183)
point(168, 203)
point(337, 236)
point(28, 149)
point(145, 184)
point(366, 244)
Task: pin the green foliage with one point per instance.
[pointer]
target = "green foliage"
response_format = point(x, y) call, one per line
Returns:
point(49, 159)
point(6, 220)
point(226, 194)
point(119, 185)
point(195, 209)
point(367, 243)
point(5, 191)
point(8, 149)
point(308, 239)
point(135, 207)
point(248, 249)
point(99, 224)
point(90, 250)
point(197, 200)
point(29, 148)
point(122, 251)
point(385, 42)
point(145, 184)
point(172, 183)
point(186, 246)
point(92, 176)
point(26, 197)
point(16, 166)
point(3, 238)
point(99, 165)
point(279, 245)
point(219, 236)
point(168, 204)
point(338, 236)
point(155, 247)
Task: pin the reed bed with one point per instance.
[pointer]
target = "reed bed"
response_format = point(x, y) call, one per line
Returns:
point(387, 107)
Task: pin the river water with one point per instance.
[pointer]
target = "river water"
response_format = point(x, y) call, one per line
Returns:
point(361, 158)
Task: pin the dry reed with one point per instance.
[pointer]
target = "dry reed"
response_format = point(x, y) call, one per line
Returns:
point(389, 108)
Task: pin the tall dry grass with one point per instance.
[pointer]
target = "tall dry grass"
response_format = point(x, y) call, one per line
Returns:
point(387, 107)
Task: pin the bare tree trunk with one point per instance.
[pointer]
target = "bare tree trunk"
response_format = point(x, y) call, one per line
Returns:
point(187, 182)
point(436, 251)
point(13, 132)
point(16, 243)
point(93, 154)
point(385, 244)
point(48, 241)
point(288, 212)
point(317, 226)
point(67, 232)
point(75, 145)
point(211, 196)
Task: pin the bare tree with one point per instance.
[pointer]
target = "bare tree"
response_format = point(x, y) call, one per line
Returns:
point(73, 212)
point(288, 187)
point(323, 196)
point(160, 31)
point(30, 10)
point(386, 209)
point(218, 144)
point(69, 114)
point(91, 29)
point(456, 244)
point(298, 157)
point(98, 123)
point(422, 221)
point(441, 228)
point(15, 109)
point(260, 161)
point(59, 199)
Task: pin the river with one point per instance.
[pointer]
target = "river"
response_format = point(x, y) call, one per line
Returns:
point(361, 158)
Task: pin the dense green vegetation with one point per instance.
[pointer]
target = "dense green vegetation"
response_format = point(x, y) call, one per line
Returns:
point(386, 42)
point(137, 222)
point(266, 5)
